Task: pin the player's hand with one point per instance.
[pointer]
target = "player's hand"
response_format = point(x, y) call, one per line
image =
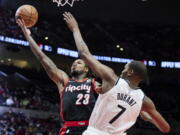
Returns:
point(71, 21)
point(21, 24)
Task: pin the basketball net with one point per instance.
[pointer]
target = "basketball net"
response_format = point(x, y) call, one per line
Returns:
point(64, 2)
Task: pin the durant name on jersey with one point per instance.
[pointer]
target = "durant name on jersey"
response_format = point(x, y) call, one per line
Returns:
point(126, 98)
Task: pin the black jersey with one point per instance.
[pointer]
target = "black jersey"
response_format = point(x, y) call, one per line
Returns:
point(77, 100)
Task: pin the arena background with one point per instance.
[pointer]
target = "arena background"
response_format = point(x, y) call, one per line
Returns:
point(115, 31)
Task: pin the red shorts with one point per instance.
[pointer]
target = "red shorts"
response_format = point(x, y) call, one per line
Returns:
point(69, 126)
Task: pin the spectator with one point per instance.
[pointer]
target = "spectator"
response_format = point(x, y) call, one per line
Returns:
point(9, 101)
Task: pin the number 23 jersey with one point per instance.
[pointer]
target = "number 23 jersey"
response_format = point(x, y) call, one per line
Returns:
point(117, 110)
point(77, 100)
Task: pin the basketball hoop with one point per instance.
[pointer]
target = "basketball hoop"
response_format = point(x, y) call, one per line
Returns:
point(65, 2)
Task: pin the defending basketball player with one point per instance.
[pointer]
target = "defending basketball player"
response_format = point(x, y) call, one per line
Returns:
point(78, 94)
point(121, 100)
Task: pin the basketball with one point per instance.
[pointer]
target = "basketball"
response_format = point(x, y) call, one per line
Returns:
point(28, 13)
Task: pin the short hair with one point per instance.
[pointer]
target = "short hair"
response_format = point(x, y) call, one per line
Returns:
point(139, 69)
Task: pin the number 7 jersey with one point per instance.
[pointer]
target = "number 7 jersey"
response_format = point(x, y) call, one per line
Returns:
point(117, 110)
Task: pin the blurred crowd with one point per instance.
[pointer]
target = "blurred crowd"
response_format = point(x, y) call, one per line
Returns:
point(33, 95)
point(34, 98)
point(12, 123)
point(134, 41)
point(8, 26)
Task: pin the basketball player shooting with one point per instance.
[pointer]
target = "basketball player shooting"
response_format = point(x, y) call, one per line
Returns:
point(121, 100)
point(78, 93)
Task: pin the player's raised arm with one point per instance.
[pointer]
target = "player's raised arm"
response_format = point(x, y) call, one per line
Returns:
point(57, 75)
point(149, 113)
point(102, 71)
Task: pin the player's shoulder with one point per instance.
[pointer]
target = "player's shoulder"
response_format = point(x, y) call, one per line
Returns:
point(147, 103)
point(120, 80)
point(147, 99)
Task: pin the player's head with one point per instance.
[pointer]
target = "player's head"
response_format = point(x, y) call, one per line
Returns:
point(79, 67)
point(135, 70)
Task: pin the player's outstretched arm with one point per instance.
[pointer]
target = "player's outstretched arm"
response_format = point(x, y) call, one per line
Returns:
point(102, 71)
point(57, 75)
point(149, 113)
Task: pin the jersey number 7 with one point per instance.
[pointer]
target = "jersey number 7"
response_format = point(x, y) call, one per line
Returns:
point(118, 115)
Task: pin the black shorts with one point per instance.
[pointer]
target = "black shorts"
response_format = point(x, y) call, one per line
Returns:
point(72, 130)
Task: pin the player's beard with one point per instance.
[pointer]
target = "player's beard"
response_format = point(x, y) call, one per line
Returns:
point(76, 73)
